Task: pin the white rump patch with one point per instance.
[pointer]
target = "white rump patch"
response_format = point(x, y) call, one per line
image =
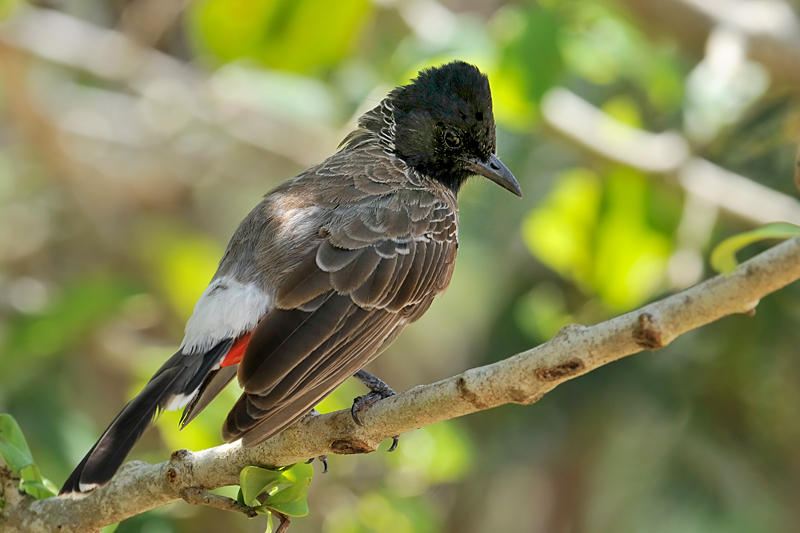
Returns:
point(226, 309)
point(179, 401)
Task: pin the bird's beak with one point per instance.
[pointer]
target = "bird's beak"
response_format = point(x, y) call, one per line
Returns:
point(495, 170)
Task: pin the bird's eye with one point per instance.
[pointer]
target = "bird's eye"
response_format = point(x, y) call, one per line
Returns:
point(452, 139)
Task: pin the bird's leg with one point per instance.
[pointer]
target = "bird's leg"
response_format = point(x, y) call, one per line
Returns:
point(378, 391)
point(322, 458)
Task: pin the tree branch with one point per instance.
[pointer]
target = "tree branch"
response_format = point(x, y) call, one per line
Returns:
point(117, 59)
point(770, 29)
point(668, 154)
point(522, 379)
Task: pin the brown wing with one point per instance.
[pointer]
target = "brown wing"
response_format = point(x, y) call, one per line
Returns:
point(378, 268)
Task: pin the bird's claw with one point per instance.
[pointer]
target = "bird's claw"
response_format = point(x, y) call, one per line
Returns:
point(322, 459)
point(363, 402)
point(379, 390)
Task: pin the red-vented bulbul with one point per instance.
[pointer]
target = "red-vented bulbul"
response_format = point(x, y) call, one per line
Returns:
point(327, 270)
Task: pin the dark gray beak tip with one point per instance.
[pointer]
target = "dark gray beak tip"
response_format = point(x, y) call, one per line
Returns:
point(495, 170)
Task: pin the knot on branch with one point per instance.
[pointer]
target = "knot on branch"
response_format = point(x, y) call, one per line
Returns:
point(465, 393)
point(561, 370)
point(180, 465)
point(179, 456)
point(647, 333)
point(351, 446)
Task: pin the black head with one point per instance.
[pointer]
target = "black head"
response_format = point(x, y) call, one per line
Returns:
point(444, 126)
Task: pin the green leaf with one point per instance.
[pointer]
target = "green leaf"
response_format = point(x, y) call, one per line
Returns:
point(254, 480)
point(36, 489)
point(257, 508)
point(16, 454)
point(269, 524)
point(291, 500)
point(34, 484)
point(299, 472)
point(289, 487)
point(723, 257)
point(292, 493)
point(298, 508)
point(13, 447)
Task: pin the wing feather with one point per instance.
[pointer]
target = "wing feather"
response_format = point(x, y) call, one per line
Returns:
point(271, 420)
point(380, 257)
point(368, 294)
point(303, 285)
point(356, 273)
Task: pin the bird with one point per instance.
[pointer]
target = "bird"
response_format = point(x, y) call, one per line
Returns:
point(326, 271)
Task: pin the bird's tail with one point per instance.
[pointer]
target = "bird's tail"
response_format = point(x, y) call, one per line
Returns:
point(105, 457)
point(173, 385)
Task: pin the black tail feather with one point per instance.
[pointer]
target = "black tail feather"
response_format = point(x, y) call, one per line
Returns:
point(211, 387)
point(181, 374)
point(106, 456)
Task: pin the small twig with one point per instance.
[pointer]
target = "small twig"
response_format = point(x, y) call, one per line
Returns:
point(285, 522)
point(197, 496)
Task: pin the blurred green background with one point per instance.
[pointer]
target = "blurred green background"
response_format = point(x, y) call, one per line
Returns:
point(135, 134)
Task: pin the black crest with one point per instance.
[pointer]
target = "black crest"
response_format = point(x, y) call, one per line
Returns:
point(442, 119)
point(441, 124)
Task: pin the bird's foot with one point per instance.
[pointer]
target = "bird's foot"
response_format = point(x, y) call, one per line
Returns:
point(322, 459)
point(379, 390)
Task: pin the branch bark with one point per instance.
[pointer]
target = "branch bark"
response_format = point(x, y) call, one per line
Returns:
point(522, 379)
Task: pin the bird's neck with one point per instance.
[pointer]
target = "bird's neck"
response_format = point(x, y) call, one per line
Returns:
point(376, 125)
point(452, 181)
